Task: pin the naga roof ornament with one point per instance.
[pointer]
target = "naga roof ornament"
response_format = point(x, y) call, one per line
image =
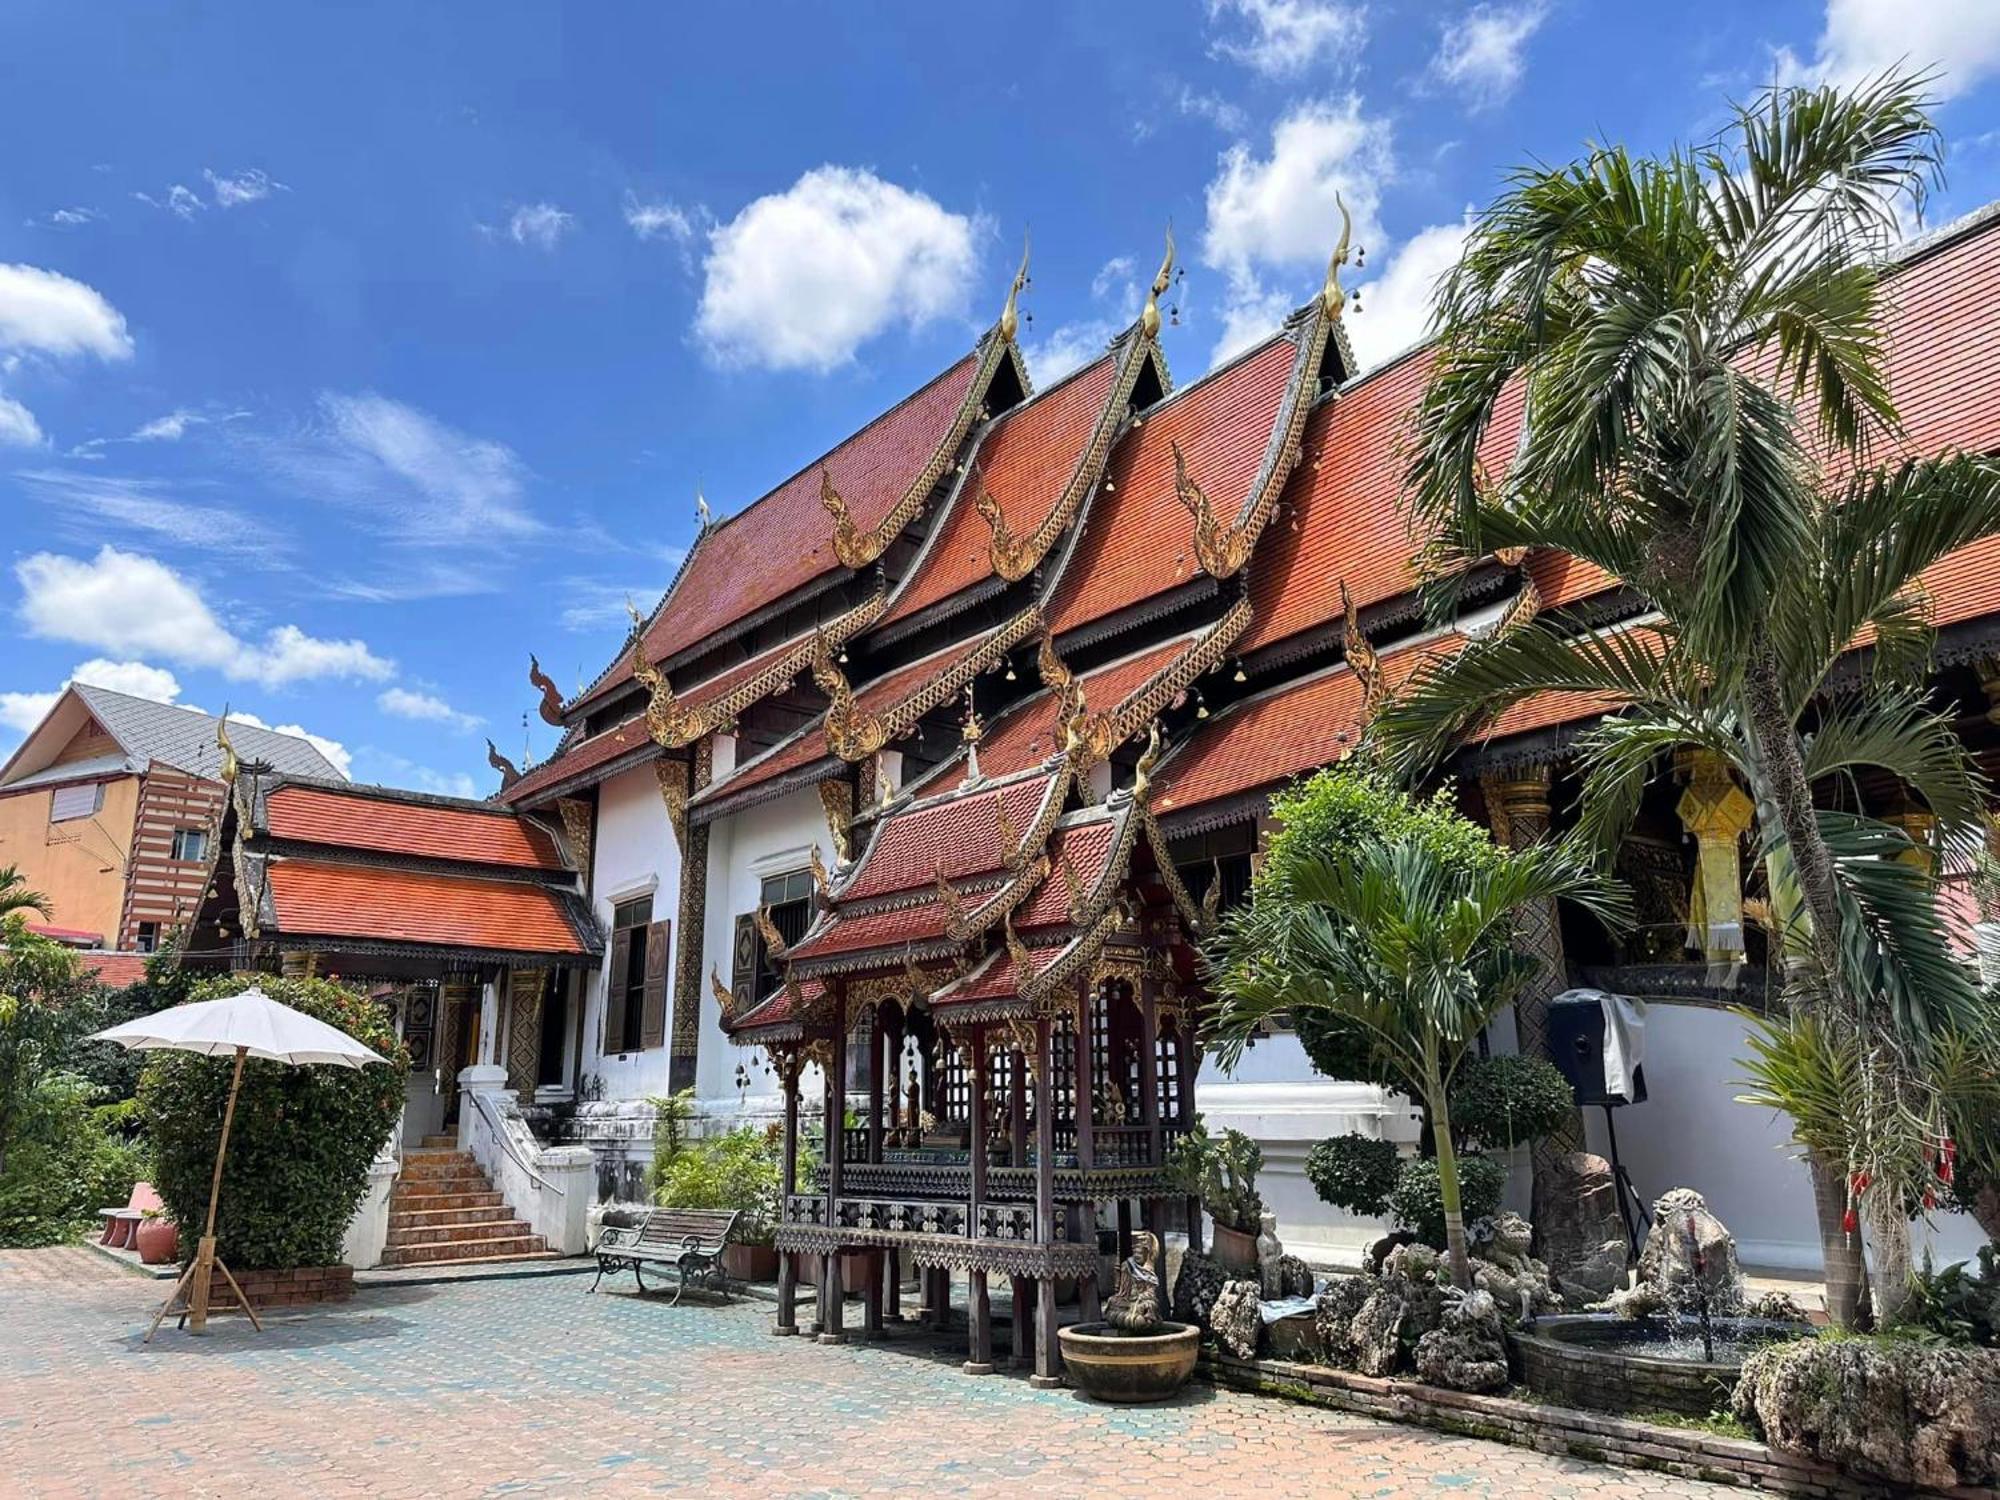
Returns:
point(850, 733)
point(774, 940)
point(1142, 773)
point(1010, 321)
point(1361, 656)
point(1149, 317)
point(551, 706)
point(665, 719)
point(509, 772)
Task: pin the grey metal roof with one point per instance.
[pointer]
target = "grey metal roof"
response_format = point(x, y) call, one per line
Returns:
point(82, 770)
point(185, 737)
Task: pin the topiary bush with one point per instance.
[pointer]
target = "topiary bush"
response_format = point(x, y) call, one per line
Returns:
point(1497, 1102)
point(302, 1139)
point(1354, 1172)
point(1416, 1204)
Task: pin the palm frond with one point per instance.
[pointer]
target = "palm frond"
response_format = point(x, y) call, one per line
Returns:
point(1891, 731)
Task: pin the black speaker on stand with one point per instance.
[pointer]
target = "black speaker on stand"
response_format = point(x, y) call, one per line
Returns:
point(1576, 1044)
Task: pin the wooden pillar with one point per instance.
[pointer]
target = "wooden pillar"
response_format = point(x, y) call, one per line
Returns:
point(1017, 1107)
point(1149, 1071)
point(979, 1326)
point(978, 1112)
point(892, 1271)
point(871, 1317)
point(940, 1298)
point(1047, 1364)
point(1124, 1227)
point(878, 1041)
point(1024, 1294)
point(1045, 1375)
point(817, 1264)
point(832, 1315)
point(788, 1273)
point(1086, 1144)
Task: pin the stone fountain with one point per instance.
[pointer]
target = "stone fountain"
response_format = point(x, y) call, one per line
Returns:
point(1134, 1354)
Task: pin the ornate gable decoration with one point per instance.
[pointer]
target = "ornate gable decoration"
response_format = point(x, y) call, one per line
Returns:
point(855, 734)
point(857, 548)
point(1222, 546)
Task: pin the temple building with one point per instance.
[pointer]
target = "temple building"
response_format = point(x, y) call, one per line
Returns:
point(910, 802)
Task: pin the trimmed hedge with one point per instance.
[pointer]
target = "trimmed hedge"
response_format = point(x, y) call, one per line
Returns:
point(302, 1139)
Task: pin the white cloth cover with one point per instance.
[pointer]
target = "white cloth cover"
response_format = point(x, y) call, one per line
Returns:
point(1624, 1042)
point(251, 1020)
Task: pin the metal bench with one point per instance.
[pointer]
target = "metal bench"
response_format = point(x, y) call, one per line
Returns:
point(689, 1239)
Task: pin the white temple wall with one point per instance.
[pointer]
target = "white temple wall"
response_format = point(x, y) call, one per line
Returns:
point(633, 854)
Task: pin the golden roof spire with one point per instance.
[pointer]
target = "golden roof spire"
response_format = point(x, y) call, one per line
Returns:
point(1331, 297)
point(230, 764)
point(1149, 320)
point(1010, 321)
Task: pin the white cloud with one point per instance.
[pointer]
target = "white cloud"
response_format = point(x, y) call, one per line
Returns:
point(1073, 344)
point(23, 711)
point(45, 312)
point(1278, 212)
point(65, 218)
point(1284, 38)
point(428, 708)
point(395, 770)
point(247, 186)
point(134, 677)
point(430, 482)
point(1479, 55)
point(181, 201)
point(539, 224)
point(332, 749)
point(18, 427)
point(168, 429)
point(1112, 275)
point(801, 279)
point(81, 505)
point(661, 220)
point(135, 605)
point(1396, 306)
point(1862, 38)
point(1213, 108)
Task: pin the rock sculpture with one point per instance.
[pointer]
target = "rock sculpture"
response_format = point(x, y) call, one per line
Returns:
point(1340, 1300)
point(1237, 1319)
point(1467, 1351)
point(1583, 1237)
point(1900, 1412)
point(1519, 1284)
point(1200, 1282)
point(1295, 1277)
point(1689, 1258)
point(1134, 1305)
point(1405, 1303)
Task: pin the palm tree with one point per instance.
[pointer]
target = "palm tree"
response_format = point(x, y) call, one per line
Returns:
point(15, 895)
point(1397, 938)
point(1697, 339)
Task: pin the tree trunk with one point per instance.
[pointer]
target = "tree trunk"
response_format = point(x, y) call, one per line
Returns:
point(1454, 1217)
point(1889, 1232)
point(1986, 1210)
point(1840, 1252)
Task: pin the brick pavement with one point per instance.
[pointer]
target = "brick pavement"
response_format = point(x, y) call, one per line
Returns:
point(534, 1387)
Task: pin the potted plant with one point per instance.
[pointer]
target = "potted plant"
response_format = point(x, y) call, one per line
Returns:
point(738, 1169)
point(158, 1240)
point(1223, 1174)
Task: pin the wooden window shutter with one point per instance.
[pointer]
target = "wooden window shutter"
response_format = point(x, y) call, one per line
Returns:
point(653, 1015)
point(744, 954)
point(615, 986)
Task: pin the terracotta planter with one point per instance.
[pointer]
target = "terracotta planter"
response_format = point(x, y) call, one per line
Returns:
point(750, 1262)
point(158, 1241)
point(1110, 1365)
point(1234, 1250)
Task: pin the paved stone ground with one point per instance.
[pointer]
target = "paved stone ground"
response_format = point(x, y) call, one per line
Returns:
point(534, 1387)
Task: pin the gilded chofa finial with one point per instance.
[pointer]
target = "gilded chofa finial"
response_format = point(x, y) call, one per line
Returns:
point(1149, 320)
point(701, 509)
point(1331, 297)
point(230, 765)
point(1010, 318)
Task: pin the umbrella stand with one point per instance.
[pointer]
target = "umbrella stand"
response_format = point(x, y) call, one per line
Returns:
point(195, 1280)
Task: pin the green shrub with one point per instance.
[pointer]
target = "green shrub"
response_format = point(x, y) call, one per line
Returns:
point(64, 1166)
point(1959, 1304)
point(1416, 1204)
point(1354, 1172)
point(1222, 1173)
point(740, 1169)
point(302, 1139)
point(1497, 1102)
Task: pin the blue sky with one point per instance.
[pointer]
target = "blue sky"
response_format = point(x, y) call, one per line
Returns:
point(349, 353)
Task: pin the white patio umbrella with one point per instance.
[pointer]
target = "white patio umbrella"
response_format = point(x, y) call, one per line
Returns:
point(249, 1024)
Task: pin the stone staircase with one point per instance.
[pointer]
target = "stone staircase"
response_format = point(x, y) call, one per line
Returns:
point(444, 1212)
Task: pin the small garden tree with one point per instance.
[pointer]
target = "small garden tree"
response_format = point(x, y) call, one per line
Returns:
point(1405, 942)
point(302, 1140)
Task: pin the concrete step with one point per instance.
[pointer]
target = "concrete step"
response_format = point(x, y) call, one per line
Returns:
point(402, 1201)
point(504, 1260)
point(498, 1247)
point(432, 1177)
point(423, 1163)
point(434, 1218)
point(457, 1234)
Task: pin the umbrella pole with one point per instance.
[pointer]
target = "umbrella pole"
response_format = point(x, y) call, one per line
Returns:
point(204, 1256)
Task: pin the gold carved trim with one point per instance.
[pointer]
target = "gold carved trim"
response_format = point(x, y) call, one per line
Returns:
point(673, 778)
point(854, 734)
point(575, 815)
point(836, 801)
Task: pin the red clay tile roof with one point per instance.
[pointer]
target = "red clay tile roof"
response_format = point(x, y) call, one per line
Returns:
point(997, 978)
point(1029, 732)
point(1562, 579)
point(1087, 846)
point(1026, 461)
point(405, 906)
point(114, 970)
point(310, 815)
point(75, 936)
point(900, 926)
point(584, 756)
point(776, 1009)
point(958, 833)
point(784, 541)
point(1138, 539)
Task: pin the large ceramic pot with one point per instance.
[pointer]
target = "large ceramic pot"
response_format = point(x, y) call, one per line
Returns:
point(1235, 1250)
point(1108, 1364)
point(750, 1262)
point(158, 1240)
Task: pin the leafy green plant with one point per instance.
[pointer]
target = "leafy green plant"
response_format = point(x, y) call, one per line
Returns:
point(1503, 1101)
point(1222, 1172)
point(1354, 1172)
point(1959, 1304)
point(673, 1114)
point(739, 1169)
point(302, 1139)
point(64, 1167)
point(1417, 1202)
